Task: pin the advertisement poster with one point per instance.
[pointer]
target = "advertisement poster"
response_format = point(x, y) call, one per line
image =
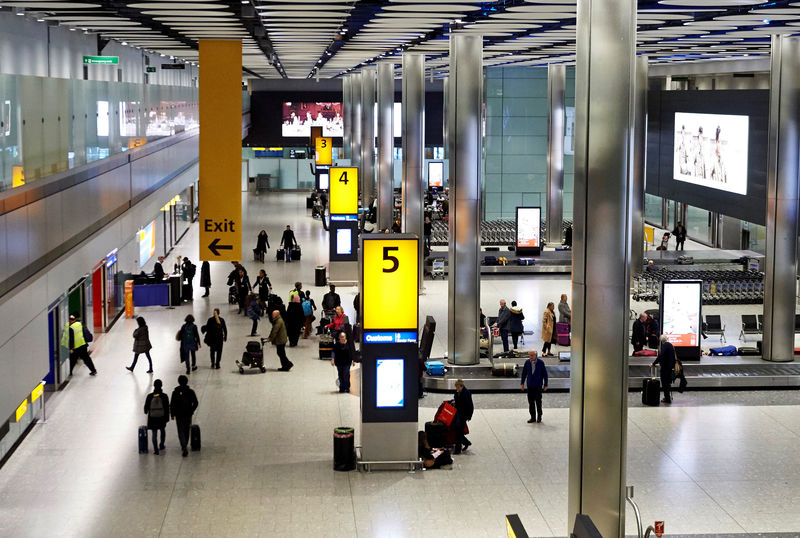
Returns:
point(389, 381)
point(711, 151)
point(147, 243)
point(680, 301)
point(435, 174)
point(344, 241)
point(528, 227)
point(298, 118)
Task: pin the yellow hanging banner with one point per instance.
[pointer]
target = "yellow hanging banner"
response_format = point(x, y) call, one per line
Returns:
point(324, 151)
point(390, 274)
point(343, 197)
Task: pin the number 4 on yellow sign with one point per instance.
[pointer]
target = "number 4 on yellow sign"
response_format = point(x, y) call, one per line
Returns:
point(344, 191)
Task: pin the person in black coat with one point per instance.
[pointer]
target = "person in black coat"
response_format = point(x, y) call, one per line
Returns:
point(263, 286)
point(288, 242)
point(295, 321)
point(342, 359)
point(515, 326)
point(182, 406)
point(156, 407)
point(205, 277)
point(652, 332)
point(331, 300)
point(243, 289)
point(666, 359)
point(462, 401)
point(680, 235)
point(187, 275)
point(639, 333)
point(216, 333)
point(262, 244)
point(158, 270)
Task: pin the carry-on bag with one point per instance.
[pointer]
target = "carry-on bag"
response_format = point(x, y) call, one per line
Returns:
point(434, 368)
point(435, 432)
point(749, 351)
point(142, 439)
point(651, 390)
point(296, 253)
point(194, 437)
point(446, 413)
point(562, 332)
point(325, 346)
point(279, 254)
point(723, 350)
point(504, 369)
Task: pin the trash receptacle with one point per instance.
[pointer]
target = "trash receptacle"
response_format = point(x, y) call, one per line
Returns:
point(320, 279)
point(344, 449)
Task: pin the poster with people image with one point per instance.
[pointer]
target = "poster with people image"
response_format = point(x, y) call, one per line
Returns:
point(711, 151)
point(298, 118)
point(680, 302)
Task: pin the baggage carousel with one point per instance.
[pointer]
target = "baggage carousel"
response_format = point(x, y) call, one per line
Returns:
point(709, 373)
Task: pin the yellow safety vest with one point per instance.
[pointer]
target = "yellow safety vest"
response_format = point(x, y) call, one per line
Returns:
point(77, 336)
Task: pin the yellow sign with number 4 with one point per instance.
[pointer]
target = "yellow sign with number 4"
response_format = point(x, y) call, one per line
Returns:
point(344, 191)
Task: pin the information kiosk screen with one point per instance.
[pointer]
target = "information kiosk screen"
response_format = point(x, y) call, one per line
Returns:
point(389, 383)
point(680, 302)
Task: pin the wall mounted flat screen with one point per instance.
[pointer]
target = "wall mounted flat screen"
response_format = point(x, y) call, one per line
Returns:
point(324, 181)
point(344, 241)
point(435, 174)
point(528, 227)
point(711, 151)
point(298, 118)
point(680, 304)
point(389, 383)
point(147, 243)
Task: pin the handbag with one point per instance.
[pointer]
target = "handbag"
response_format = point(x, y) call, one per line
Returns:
point(466, 429)
point(446, 413)
point(178, 335)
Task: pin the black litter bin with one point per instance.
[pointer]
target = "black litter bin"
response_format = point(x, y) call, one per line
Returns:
point(344, 449)
point(320, 279)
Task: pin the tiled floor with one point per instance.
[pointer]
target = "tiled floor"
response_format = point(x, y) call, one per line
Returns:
point(710, 466)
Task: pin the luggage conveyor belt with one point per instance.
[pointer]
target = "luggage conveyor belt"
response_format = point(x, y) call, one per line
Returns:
point(753, 375)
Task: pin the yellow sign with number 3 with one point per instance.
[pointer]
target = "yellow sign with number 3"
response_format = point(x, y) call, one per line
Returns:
point(390, 287)
point(324, 151)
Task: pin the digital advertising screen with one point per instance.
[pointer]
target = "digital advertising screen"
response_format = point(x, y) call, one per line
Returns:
point(298, 118)
point(435, 174)
point(389, 383)
point(147, 243)
point(324, 181)
point(528, 227)
point(711, 151)
point(344, 241)
point(680, 303)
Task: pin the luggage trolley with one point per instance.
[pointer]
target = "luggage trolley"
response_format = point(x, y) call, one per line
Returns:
point(437, 269)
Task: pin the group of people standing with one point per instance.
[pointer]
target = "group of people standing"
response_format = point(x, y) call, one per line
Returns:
point(509, 321)
point(645, 332)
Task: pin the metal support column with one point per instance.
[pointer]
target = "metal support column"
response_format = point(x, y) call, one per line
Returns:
point(446, 117)
point(367, 175)
point(556, 87)
point(465, 104)
point(385, 192)
point(639, 154)
point(347, 107)
point(413, 186)
point(355, 115)
point(604, 75)
point(783, 193)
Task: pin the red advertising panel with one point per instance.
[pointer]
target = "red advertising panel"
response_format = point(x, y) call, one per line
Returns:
point(680, 304)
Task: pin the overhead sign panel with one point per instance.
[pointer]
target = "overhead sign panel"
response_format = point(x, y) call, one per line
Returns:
point(324, 151)
point(101, 60)
point(343, 197)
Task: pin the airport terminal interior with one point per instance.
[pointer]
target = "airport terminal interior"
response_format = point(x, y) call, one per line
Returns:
point(434, 160)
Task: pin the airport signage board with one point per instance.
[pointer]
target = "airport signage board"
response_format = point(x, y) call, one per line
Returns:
point(680, 316)
point(343, 198)
point(389, 276)
point(324, 150)
point(101, 60)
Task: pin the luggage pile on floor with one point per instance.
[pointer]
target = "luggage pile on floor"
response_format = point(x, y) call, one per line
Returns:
point(440, 431)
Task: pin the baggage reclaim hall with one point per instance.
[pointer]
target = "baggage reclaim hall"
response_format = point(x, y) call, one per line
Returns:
point(483, 222)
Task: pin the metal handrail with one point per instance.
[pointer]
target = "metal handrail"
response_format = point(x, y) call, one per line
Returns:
point(629, 498)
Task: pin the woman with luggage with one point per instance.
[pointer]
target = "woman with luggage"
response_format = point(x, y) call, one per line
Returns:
point(263, 286)
point(156, 407)
point(342, 359)
point(296, 320)
point(339, 321)
point(262, 244)
point(141, 344)
point(190, 342)
point(548, 329)
point(216, 333)
point(515, 326)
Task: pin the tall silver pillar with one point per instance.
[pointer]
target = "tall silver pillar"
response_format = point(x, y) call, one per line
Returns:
point(347, 107)
point(367, 172)
point(385, 144)
point(782, 199)
point(445, 116)
point(355, 115)
point(413, 186)
point(556, 88)
point(639, 155)
point(604, 75)
point(464, 285)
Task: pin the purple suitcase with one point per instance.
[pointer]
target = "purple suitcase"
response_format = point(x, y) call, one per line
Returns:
point(562, 332)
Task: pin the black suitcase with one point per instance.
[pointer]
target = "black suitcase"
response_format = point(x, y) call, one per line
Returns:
point(309, 202)
point(435, 432)
point(233, 295)
point(296, 253)
point(325, 347)
point(490, 260)
point(194, 437)
point(279, 254)
point(651, 391)
point(745, 351)
point(504, 369)
point(186, 292)
point(652, 341)
point(142, 439)
point(258, 255)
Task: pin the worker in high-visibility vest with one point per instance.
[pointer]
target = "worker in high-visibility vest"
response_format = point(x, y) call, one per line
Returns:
point(74, 338)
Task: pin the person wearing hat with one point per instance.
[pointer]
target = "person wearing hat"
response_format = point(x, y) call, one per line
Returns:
point(156, 407)
point(462, 401)
point(77, 342)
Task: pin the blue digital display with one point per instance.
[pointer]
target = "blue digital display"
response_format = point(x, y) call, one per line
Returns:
point(346, 218)
point(406, 337)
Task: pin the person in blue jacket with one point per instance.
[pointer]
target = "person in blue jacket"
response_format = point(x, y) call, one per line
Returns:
point(462, 401)
point(535, 374)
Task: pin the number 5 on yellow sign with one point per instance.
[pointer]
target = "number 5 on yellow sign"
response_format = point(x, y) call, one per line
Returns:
point(390, 287)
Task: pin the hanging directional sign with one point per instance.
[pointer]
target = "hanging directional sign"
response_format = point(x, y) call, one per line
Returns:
point(324, 151)
point(343, 197)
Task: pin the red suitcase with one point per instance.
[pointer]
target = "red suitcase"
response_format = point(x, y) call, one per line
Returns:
point(562, 332)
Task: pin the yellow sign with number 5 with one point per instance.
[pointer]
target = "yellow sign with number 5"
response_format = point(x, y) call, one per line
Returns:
point(324, 151)
point(390, 272)
point(344, 191)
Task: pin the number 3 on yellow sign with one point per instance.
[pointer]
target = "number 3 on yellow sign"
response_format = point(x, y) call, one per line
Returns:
point(344, 191)
point(324, 151)
point(390, 274)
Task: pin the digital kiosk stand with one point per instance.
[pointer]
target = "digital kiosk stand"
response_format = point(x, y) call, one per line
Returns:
point(343, 227)
point(529, 227)
point(389, 352)
point(681, 316)
point(323, 159)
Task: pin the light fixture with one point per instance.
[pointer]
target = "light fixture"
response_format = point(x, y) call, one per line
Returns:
point(20, 11)
point(72, 29)
point(39, 19)
point(124, 43)
point(766, 21)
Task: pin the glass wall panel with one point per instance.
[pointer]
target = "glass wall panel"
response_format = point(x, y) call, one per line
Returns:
point(652, 209)
point(698, 224)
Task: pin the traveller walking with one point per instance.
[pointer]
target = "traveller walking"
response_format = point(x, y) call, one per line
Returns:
point(462, 401)
point(183, 404)
point(141, 344)
point(262, 244)
point(666, 359)
point(295, 321)
point(156, 407)
point(263, 286)
point(515, 326)
point(534, 373)
point(308, 312)
point(342, 360)
point(254, 313)
point(331, 300)
point(190, 342)
point(76, 338)
point(216, 333)
point(278, 338)
point(548, 329)
point(205, 277)
point(288, 242)
point(680, 235)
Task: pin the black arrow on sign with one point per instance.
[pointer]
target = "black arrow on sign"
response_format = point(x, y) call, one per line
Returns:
point(215, 247)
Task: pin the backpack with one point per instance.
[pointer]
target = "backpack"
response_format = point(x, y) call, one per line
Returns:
point(87, 335)
point(156, 407)
point(307, 307)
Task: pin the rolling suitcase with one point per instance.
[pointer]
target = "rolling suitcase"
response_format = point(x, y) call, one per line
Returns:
point(279, 254)
point(434, 368)
point(562, 332)
point(651, 390)
point(504, 369)
point(296, 253)
point(194, 437)
point(435, 432)
point(142, 439)
point(526, 261)
point(745, 351)
point(325, 347)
